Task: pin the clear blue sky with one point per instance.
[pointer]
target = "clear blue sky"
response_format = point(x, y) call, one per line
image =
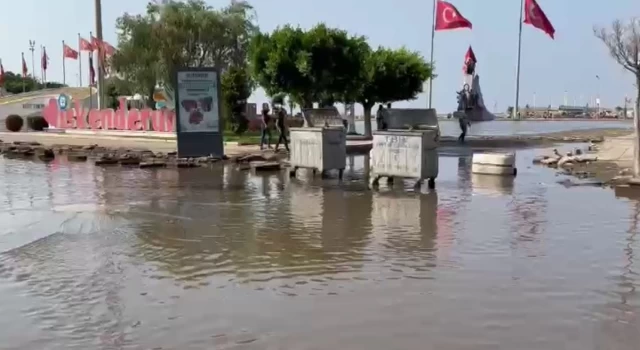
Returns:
point(549, 67)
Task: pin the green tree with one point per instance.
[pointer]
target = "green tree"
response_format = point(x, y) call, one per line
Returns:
point(388, 76)
point(623, 42)
point(137, 59)
point(309, 66)
point(13, 83)
point(175, 34)
point(237, 86)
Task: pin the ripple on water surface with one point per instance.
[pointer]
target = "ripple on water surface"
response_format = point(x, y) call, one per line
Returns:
point(110, 258)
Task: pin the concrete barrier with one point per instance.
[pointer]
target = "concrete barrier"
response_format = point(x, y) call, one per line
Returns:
point(320, 149)
point(494, 164)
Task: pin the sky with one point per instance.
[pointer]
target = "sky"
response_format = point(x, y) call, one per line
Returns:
point(552, 71)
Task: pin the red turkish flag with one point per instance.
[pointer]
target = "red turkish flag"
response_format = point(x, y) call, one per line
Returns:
point(85, 45)
point(534, 16)
point(92, 72)
point(96, 43)
point(45, 59)
point(109, 50)
point(470, 61)
point(68, 52)
point(470, 56)
point(448, 17)
point(24, 67)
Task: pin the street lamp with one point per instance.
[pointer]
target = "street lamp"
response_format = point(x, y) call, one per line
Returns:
point(32, 48)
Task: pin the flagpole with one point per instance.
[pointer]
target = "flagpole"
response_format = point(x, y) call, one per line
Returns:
point(79, 61)
point(433, 35)
point(24, 87)
point(98, 63)
point(517, 97)
point(64, 68)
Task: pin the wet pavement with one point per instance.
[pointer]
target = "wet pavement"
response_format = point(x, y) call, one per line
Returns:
point(106, 258)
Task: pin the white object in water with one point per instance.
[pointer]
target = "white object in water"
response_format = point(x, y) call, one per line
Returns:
point(494, 164)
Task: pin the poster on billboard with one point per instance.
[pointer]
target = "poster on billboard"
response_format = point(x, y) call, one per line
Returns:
point(198, 110)
point(198, 101)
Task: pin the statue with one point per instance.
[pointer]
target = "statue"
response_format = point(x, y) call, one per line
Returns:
point(471, 102)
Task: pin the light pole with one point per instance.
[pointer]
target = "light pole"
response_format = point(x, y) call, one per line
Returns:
point(598, 94)
point(32, 48)
point(98, 20)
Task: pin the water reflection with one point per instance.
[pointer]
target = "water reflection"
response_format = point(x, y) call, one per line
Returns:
point(404, 229)
point(108, 258)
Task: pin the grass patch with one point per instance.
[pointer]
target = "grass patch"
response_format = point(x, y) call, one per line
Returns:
point(248, 138)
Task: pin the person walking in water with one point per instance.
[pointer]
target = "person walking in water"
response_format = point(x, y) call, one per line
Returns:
point(265, 136)
point(281, 124)
point(464, 124)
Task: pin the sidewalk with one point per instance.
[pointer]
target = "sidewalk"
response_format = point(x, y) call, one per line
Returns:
point(122, 139)
point(618, 150)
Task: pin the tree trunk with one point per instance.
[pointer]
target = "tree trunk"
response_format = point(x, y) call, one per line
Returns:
point(367, 120)
point(636, 125)
point(150, 102)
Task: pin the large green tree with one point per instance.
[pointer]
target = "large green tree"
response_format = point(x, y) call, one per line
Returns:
point(317, 65)
point(174, 34)
point(388, 76)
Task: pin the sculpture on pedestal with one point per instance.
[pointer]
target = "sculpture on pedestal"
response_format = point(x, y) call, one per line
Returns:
point(470, 101)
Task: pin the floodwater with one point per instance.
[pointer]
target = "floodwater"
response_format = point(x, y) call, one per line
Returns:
point(524, 127)
point(106, 258)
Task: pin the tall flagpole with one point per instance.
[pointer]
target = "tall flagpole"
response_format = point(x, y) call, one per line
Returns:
point(79, 61)
point(24, 86)
point(98, 63)
point(433, 35)
point(64, 67)
point(517, 98)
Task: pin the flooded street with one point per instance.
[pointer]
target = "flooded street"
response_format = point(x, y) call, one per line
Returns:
point(112, 258)
point(450, 127)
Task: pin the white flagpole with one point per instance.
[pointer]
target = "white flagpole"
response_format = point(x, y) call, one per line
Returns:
point(433, 35)
point(517, 98)
point(79, 62)
point(64, 66)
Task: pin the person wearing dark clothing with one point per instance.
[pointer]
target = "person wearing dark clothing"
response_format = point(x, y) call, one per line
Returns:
point(266, 129)
point(380, 118)
point(282, 129)
point(464, 124)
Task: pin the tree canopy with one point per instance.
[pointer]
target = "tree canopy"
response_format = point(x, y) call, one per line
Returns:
point(325, 65)
point(13, 83)
point(318, 65)
point(390, 75)
point(182, 34)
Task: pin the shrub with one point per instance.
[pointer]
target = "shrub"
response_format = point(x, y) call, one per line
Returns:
point(37, 123)
point(14, 123)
